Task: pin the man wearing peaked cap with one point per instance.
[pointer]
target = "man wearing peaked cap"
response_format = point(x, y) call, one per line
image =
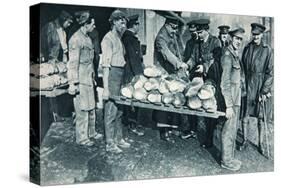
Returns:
point(134, 66)
point(257, 60)
point(204, 62)
point(223, 34)
point(232, 80)
point(191, 42)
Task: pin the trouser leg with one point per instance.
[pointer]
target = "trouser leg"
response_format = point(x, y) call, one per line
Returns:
point(110, 113)
point(245, 122)
point(92, 123)
point(82, 122)
point(210, 127)
point(118, 125)
point(229, 133)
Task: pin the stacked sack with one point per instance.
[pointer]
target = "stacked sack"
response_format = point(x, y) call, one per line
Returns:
point(156, 87)
point(47, 76)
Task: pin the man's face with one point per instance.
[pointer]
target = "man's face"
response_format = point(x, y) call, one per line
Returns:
point(202, 34)
point(120, 25)
point(137, 27)
point(194, 35)
point(237, 42)
point(223, 37)
point(257, 38)
point(172, 28)
point(91, 26)
point(67, 23)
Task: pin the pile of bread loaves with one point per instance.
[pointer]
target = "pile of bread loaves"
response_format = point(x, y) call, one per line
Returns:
point(155, 87)
point(47, 76)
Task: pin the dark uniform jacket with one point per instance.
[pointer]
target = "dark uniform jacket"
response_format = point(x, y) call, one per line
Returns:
point(189, 49)
point(258, 65)
point(133, 56)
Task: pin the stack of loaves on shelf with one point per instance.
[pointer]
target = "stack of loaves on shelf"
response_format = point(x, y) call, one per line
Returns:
point(156, 87)
point(47, 76)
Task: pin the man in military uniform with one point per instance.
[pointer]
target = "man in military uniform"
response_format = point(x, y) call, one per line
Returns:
point(167, 57)
point(191, 42)
point(113, 63)
point(81, 82)
point(232, 77)
point(257, 60)
point(134, 66)
point(223, 35)
point(204, 62)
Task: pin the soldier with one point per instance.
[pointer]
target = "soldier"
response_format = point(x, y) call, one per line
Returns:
point(113, 63)
point(191, 42)
point(168, 57)
point(232, 77)
point(134, 66)
point(81, 82)
point(257, 60)
point(223, 35)
point(204, 62)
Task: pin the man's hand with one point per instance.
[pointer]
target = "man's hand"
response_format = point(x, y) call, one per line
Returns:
point(199, 69)
point(184, 66)
point(105, 94)
point(264, 97)
point(73, 89)
point(229, 113)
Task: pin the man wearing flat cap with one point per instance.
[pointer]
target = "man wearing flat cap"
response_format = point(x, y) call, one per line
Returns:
point(223, 35)
point(113, 62)
point(134, 66)
point(258, 64)
point(81, 81)
point(54, 49)
point(232, 80)
point(204, 62)
point(167, 56)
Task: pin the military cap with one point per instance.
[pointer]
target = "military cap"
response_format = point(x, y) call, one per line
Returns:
point(134, 19)
point(82, 16)
point(172, 19)
point(202, 24)
point(224, 29)
point(192, 26)
point(237, 32)
point(257, 28)
point(116, 15)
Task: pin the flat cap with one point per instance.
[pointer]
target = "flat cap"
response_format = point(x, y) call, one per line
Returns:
point(82, 16)
point(224, 29)
point(65, 15)
point(257, 28)
point(239, 32)
point(116, 15)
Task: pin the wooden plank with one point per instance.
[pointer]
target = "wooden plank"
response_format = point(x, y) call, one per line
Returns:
point(167, 108)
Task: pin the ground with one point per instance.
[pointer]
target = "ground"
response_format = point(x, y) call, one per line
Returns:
point(64, 162)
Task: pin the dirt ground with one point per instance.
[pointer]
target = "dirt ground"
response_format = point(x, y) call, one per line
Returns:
point(64, 162)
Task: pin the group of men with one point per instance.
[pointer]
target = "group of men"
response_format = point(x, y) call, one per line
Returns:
point(214, 59)
point(246, 81)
